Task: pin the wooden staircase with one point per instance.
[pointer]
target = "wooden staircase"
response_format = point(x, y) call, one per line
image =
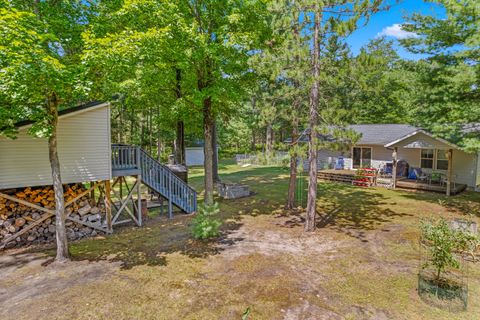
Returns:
point(133, 161)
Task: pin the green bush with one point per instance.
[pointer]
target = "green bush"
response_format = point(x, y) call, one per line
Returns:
point(444, 244)
point(205, 225)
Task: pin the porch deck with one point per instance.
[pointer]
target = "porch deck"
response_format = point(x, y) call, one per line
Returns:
point(414, 184)
point(347, 176)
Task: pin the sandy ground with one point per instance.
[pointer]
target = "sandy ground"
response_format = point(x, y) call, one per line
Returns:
point(268, 258)
point(353, 267)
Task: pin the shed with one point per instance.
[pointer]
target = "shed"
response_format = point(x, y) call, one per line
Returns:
point(83, 149)
point(194, 153)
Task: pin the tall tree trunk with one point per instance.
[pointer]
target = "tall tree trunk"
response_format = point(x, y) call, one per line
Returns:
point(159, 149)
point(313, 123)
point(179, 146)
point(150, 131)
point(208, 131)
point(253, 146)
point(60, 230)
point(120, 126)
point(269, 139)
point(292, 185)
point(216, 177)
point(254, 142)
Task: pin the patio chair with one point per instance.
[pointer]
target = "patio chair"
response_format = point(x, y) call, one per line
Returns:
point(436, 177)
point(387, 170)
point(444, 179)
point(340, 163)
point(420, 175)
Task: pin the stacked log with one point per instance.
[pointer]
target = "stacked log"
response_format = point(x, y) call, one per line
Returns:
point(15, 216)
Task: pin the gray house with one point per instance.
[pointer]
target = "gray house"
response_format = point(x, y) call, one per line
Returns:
point(381, 144)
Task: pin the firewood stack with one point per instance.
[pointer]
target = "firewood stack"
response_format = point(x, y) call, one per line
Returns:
point(15, 216)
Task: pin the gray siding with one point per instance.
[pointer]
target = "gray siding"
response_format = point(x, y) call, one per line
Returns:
point(83, 149)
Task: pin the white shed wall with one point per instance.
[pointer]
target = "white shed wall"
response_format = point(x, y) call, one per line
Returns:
point(194, 156)
point(83, 148)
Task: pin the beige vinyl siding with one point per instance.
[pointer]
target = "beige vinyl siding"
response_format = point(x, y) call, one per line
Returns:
point(382, 155)
point(464, 167)
point(326, 159)
point(83, 149)
point(463, 163)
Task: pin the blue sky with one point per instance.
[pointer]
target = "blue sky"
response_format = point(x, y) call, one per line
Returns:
point(388, 23)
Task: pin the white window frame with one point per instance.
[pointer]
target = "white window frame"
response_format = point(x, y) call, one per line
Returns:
point(361, 156)
point(442, 159)
point(433, 159)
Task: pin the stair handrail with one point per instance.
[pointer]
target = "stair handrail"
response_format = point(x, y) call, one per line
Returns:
point(128, 157)
point(175, 177)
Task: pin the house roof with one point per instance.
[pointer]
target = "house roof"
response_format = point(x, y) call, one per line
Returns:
point(382, 134)
point(372, 134)
point(64, 112)
point(421, 143)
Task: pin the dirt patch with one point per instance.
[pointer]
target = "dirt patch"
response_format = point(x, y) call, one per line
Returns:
point(26, 277)
point(274, 241)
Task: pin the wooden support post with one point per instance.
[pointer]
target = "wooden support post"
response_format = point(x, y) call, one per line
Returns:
point(108, 205)
point(449, 172)
point(170, 206)
point(139, 200)
point(92, 195)
point(394, 171)
point(121, 187)
point(124, 204)
point(160, 199)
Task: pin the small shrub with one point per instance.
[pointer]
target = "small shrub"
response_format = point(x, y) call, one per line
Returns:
point(444, 244)
point(205, 225)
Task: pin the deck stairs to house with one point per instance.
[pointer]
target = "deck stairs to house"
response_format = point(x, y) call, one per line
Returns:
point(130, 160)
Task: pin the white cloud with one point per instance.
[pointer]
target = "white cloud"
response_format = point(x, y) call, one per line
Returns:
point(396, 31)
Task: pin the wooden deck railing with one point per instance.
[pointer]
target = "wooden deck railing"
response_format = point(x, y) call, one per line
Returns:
point(125, 157)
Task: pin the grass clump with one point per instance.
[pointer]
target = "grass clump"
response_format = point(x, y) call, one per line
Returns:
point(205, 223)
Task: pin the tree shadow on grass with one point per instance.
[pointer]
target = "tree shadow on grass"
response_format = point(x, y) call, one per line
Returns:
point(149, 245)
point(466, 203)
point(353, 210)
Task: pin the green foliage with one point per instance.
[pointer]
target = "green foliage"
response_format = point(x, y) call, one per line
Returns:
point(205, 225)
point(450, 76)
point(444, 244)
point(39, 49)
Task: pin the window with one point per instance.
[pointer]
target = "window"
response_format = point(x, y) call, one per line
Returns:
point(426, 159)
point(362, 157)
point(442, 160)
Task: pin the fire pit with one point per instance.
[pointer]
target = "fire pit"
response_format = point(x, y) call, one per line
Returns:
point(232, 190)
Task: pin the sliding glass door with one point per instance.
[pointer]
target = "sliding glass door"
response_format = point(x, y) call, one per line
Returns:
point(362, 157)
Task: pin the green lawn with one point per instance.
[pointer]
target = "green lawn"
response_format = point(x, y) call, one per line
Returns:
point(362, 263)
